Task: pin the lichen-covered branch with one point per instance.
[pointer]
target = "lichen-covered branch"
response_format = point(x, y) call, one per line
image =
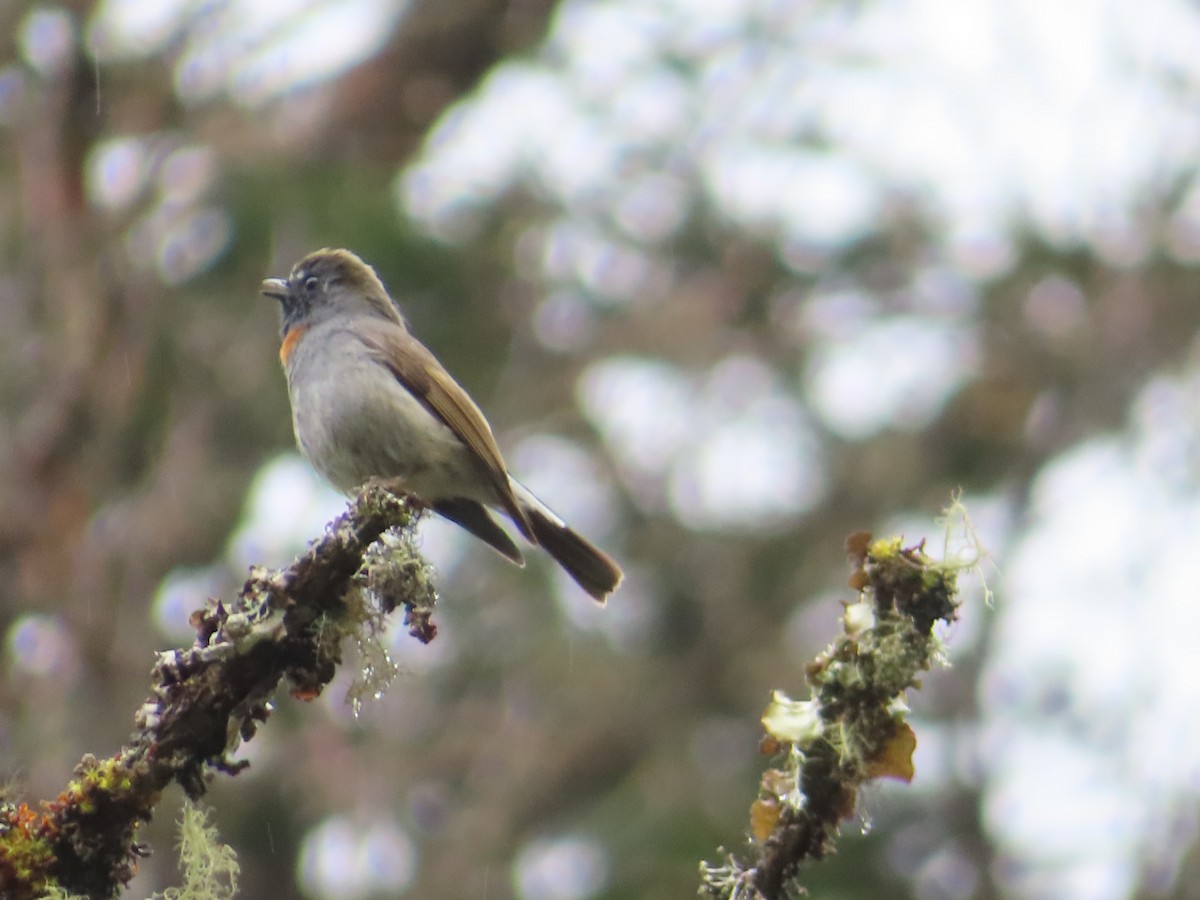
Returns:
point(852, 728)
point(288, 624)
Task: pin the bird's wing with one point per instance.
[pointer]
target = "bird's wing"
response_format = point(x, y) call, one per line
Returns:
point(425, 378)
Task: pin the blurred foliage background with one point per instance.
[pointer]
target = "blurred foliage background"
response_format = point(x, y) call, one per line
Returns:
point(731, 280)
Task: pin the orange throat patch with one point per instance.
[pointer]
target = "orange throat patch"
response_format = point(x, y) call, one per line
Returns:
point(290, 340)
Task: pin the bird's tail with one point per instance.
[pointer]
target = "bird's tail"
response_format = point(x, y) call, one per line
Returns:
point(592, 568)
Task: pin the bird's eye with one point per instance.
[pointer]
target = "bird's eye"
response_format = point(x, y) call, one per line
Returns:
point(311, 283)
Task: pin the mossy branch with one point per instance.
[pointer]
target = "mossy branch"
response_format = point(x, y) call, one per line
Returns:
point(287, 624)
point(852, 728)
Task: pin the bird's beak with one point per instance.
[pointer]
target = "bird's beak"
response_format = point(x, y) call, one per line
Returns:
point(274, 287)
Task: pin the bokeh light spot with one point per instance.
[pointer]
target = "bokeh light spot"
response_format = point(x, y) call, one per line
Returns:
point(564, 868)
point(183, 592)
point(41, 645)
point(344, 860)
point(47, 36)
point(896, 372)
point(286, 505)
point(116, 172)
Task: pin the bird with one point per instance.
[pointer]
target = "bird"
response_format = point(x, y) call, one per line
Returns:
point(371, 402)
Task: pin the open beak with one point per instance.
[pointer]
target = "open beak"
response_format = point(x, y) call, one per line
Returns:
point(275, 287)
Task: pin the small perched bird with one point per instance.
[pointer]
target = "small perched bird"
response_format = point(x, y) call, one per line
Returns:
point(370, 401)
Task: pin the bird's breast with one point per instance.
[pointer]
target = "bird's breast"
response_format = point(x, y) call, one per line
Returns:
point(355, 421)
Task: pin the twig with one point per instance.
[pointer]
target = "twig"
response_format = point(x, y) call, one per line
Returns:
point(205, 700)
point(852, 729)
